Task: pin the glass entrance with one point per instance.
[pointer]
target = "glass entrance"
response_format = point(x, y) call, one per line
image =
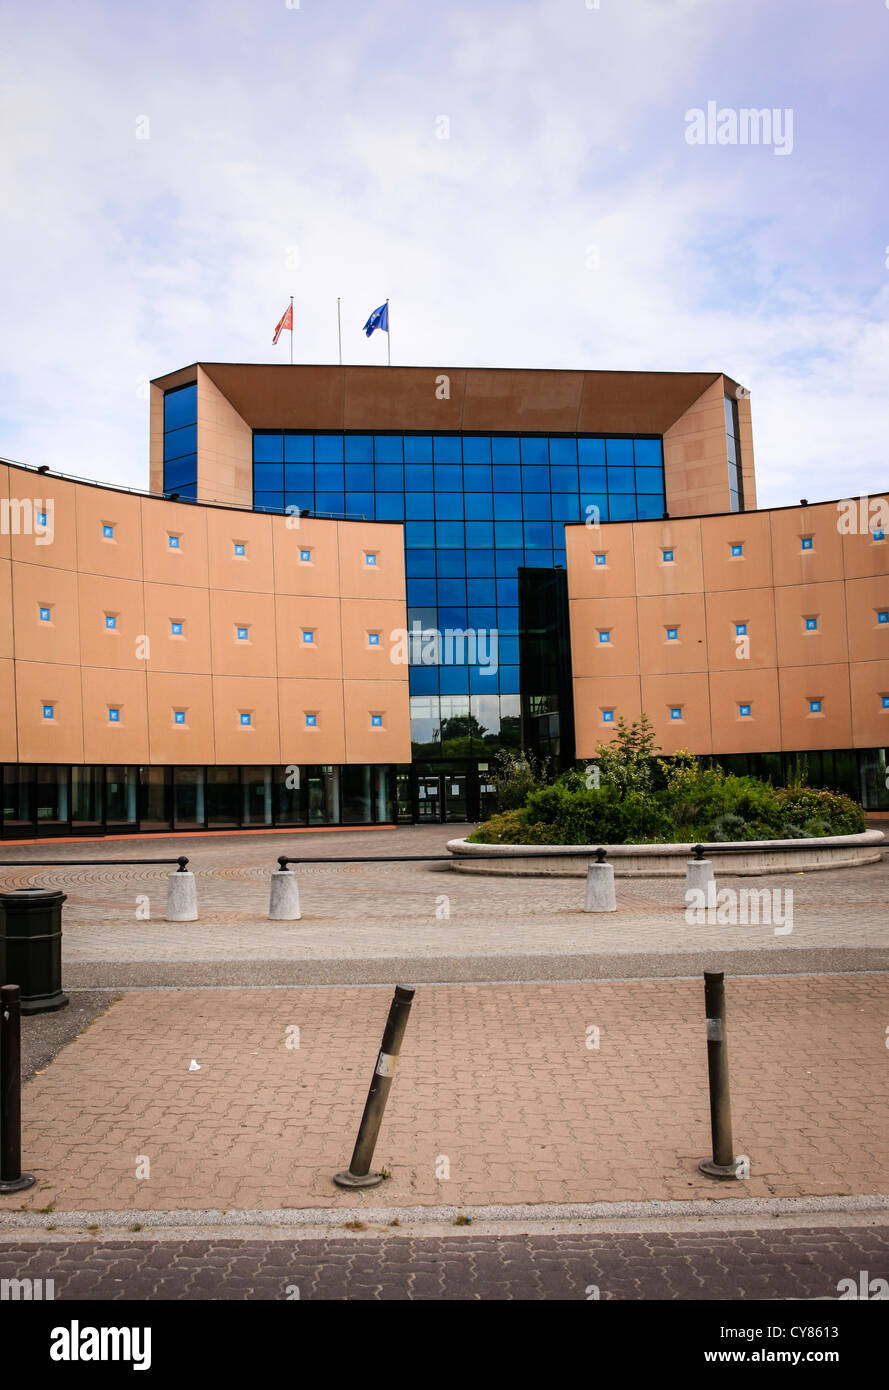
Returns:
point(429, 797)
point(456, 796)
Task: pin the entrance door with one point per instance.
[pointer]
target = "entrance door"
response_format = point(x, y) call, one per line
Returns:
point(429, 800)
point(456, 796)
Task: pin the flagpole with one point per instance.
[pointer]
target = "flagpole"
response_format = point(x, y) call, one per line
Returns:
point(388, 335)
point(339, 329)
point(291, 330)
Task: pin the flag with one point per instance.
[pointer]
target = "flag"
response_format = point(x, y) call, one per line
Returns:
point(285, 321)
point(378, 319)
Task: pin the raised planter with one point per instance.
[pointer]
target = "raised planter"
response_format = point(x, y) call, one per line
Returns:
point(668, 861)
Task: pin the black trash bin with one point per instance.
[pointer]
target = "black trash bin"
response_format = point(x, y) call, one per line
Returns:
point(31, 947)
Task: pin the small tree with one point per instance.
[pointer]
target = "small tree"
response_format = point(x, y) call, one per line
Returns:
point(626, 761)
point(516, 776)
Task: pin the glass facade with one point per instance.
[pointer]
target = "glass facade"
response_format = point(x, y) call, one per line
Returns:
point(733, 446)
point(475, 510)
point(181, 441)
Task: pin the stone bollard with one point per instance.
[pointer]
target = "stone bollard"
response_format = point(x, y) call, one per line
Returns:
point(182, 895)
point(284, 896)
point(600, 886)
point(698, 872)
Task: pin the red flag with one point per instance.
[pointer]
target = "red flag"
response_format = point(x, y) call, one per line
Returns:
point(286, 321)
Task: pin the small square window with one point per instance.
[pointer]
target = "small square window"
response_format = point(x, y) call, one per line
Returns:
point(108, 532)
point(110, 620)
point(173, 542)
point(880, 535)
point(740, 629)
point(604, 636)
point(807, 542)
point(811, 624)
point(667, 556)
point(370, 557)
point(675, 711)
point(41, 518)
point(376, 721)
point(49, 711)
point(240, 549)
point(246, 719)
point(608, 716)
point(744, 711)
point(176, 629)
point(814, 706)
point(672, 634)
point(45, 615)
point(305, 556)
point(737, 550)
point(308, 636)
point(883, 617)
point(885, 701)
point(373, 639)
point(242, 634)
point(114, 716)
point(600, 559)
point(179, 716)
point(312, 720)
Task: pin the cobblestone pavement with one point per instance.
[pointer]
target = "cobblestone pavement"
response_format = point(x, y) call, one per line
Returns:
point(513, 1093)
point(425, 913)
point(805, 1263)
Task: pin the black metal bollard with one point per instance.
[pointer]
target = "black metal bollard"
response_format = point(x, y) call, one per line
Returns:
point(31, 927)
point(723, 1164)
point(12, 1179)
point(358, 1173)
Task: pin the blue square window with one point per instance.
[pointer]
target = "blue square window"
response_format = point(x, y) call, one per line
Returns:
point(604, 636)
point(811, 624)
point(173, 542)
point(667, 556)
point(608, 716)
point(600, 559)
point(110, 620)
point(176, 629)
point(41, 518)
point(49, 712)
point(376, 721)
point(311, 720)
point(807, 542)
point(305, 556)
point(108, 532)
point(242, 634)
point(744, 711)
point(672, 634)
point(373, 639)
point(179, 716)
point(740, 629)
point(885, 701)
point(44, 615)
point(370, 558)
point(883, 617)
point(308, 636)
point(114, 716)
point(879, 535)
point(814, 706)
point(737, 550)
point(675, 711)
point(246, 718)
point(240, 549)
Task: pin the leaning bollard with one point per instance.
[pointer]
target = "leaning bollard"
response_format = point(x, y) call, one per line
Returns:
point(600, 886)
point(723, 1164)
point(359, 1174)
point(698, 872)
point(12, 1179)
point(284, 894)
point(182, 894)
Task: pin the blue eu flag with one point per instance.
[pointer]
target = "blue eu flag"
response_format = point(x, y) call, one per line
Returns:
point(378, 319)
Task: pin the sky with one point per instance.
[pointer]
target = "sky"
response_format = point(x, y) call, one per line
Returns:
point(516, 176)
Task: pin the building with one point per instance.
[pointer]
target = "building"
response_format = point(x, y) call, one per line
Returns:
point(347, 589)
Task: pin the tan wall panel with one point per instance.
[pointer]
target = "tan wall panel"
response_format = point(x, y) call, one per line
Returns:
point(756, 608)
point(56, 740)
point(6, 642)
point(252, 572)
point(617, 577)
point(191, 742)
point(320, 659)
point(799, 646)
point(8, 725)
point(231, 656)
point(385, 578)
point(391, 741)
point(236, 743)
point(121, 555)
point(186, 564)
point(696, 457)
point(622, 694)
point(684, 573)
point(225, 448)
point(123, 741)
point(56, 543)
point(800, 729)
point(5, 546)
point(536, 401)
point(870, 721)
point(760, 731)
point(169, 603)
point(99, 596)
point(868, 637)
point(590, 656)
point(361, 661)
point(793, 565)
point(862, 554)
point(319, 575)
point(59, 639)
point(745, 425)
point(325, 743)
point(688, 650)
point(691, 693)
point(752, 569)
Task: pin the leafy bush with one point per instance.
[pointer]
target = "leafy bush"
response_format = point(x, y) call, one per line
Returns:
point(516, 776)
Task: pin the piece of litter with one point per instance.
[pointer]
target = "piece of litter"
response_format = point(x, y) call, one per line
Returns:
point(194, 1066)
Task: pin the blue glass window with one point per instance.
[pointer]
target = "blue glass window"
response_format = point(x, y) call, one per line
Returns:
point(538, 535)
point(814, 706)
point(476, 449)
point(245, 719)
point(648, 507)
point(390, 506)
point(389, 477)
point(110, 621)
point(479, 506)
point(362, 504)
point(179, 716)
point(376, 720)
point(508, 533)
point(622, 508)
point(535, 479)
point(737, 550)
point(563, 479)
point(179, 442)
point(481, 591)
point(419, 533)
point(328, 448)
point(676, 712)
point(619, 453)
point(648, 453)
point(534, 450)
point(180, 406)
point(176, 629)
point(744, 711)
point(173, 542)
point(298, 448)
point(447, 448)
point(449, 535)
point(563, 450)
point(604, 636)
point(451, 564)
point(451, 591)
point(667, 556)
point(419, 564)
point(811, 624)
point(422, 591)
point(305, 556)
point(268, 448)
point(600, 558)
point(883, 617)
point(885, 701)
point(240, 549)
point(449, 506)
point(621, 479)
point(807, 542)
point(308, 635)
point(591, 451)
point(242, 634)
point(418, 449)
point(329, 477)
point(507, 507)
point(566, 506)
point(370, 557)
point(418, 477)
point(608, 716)
point(482, 617)
point(330, 502)
point(592, 479)
point(448, 477)
point(373, 639)
point(311, 720)
point(506, 478)
point(113, 715)
point(298, 477)
point(649, 480)
point(108, 532)
point(388, 448)
point(740, 629)
point(504, 449)
point(49, 712)
point(477, 477)
point(45, 615)
point(268, 477)
point(672, 634)
point(879, 534)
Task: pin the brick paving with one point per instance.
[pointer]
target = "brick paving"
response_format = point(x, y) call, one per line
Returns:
point(701, 1265)
point(496, 1087)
